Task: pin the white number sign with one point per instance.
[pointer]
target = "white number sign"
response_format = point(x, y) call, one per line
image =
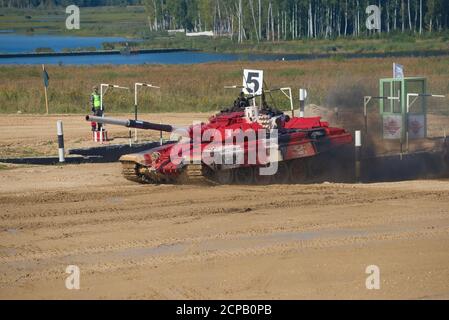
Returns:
point(252, 81)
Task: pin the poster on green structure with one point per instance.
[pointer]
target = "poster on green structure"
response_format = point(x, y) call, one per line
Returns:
point(392, 126)
point(416, 126)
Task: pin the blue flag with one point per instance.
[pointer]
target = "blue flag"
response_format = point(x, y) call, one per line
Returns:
point(45, 77)
point(398, 71)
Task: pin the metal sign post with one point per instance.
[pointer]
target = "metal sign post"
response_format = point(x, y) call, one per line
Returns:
point(366, 101)
point(288, 93)
point(419, 119)
point(107, 86)
point(417, 95)
point(102, 93)
point(136, 85)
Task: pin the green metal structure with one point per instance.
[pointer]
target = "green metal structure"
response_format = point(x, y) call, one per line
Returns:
point(403, 107)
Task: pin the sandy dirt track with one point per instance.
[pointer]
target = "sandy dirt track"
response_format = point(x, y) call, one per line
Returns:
point(173, 241)
point(285, 241)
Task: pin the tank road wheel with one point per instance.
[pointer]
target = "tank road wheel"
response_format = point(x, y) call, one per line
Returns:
point(283, 173)
point(244, 175)
point(224, 176)
point(130, 171)
point(298, 171)
point(261, 179)
point(196, 174)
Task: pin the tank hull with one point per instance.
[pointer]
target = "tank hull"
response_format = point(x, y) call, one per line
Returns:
point(294, 160)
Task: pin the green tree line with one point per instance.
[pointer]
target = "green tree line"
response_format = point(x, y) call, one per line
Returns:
point(274, 20)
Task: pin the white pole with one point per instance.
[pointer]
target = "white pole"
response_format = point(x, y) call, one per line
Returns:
point(160, 135)
point(135, 102)
point(60, 141)
point(101, 102)
point(102, 112)
point(101, 97)
point(302, 100)
point(291, 101)
point(135, 110)
point(366, 100)
point(358, 153)
point(358, 138)
point(135, 94)
point(408, 102)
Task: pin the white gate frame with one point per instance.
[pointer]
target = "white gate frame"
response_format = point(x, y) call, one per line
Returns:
point(136, 85)
point(409, 104)
point(107, 86)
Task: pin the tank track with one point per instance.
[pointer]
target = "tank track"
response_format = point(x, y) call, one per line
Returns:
point(196, 174)
point(192, 174)
point(199, 174)
point(130, 172)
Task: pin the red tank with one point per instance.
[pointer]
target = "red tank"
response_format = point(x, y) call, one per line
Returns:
point(241, 145)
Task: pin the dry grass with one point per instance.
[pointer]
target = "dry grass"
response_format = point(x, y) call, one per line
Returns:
point(200, 87)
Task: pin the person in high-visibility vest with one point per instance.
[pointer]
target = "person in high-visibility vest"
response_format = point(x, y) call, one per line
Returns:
point(95, 102)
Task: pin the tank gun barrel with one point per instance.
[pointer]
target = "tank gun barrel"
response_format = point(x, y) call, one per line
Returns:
point(138, 124)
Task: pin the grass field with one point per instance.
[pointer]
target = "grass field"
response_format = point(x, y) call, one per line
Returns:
point(381, 44)
point(332, 82)
point(99, 21)
point(132, 22)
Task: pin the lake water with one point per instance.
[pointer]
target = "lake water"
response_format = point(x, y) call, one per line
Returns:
point(144, 58)
point(13, 43)
point(18, 43)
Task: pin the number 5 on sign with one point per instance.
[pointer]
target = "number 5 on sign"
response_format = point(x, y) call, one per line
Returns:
point(252, 81)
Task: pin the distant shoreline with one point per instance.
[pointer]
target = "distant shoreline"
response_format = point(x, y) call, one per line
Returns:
point(276, 57)
point(87, 53)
